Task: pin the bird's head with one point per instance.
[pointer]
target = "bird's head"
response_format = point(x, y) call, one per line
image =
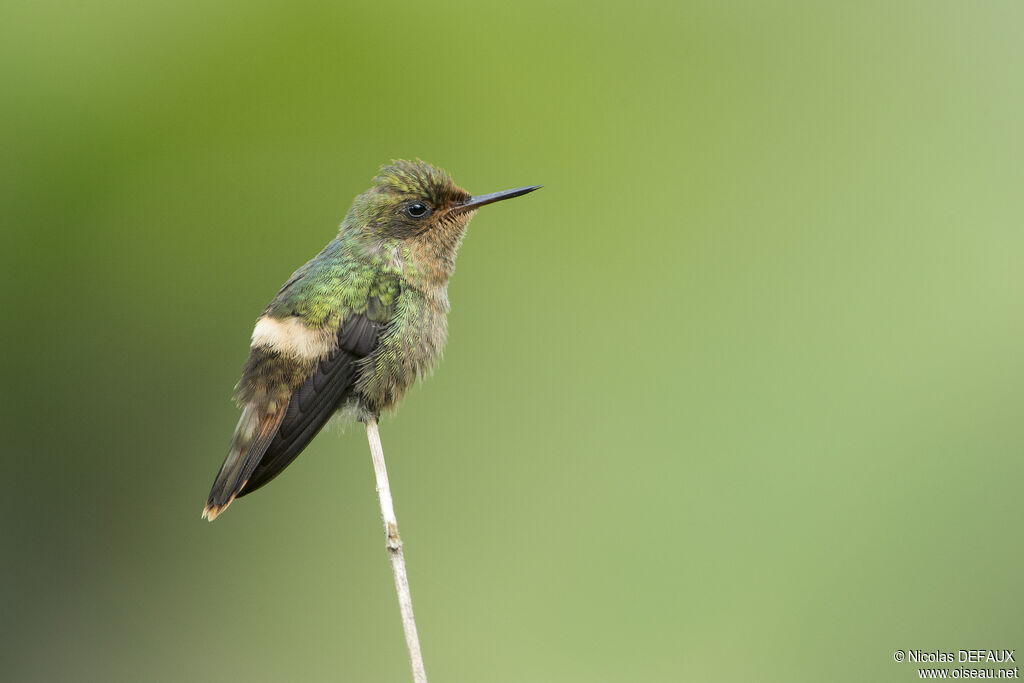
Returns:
point(419, 206)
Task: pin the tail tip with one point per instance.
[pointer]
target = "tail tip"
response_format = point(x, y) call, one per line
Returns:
point(211, 511)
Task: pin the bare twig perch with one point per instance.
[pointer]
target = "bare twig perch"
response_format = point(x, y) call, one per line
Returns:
point(394, 546)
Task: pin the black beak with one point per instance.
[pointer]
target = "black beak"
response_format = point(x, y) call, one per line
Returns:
point(480, 200)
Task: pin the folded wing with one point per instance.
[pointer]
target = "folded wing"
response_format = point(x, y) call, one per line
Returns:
point(268, 439)
point(314, 402)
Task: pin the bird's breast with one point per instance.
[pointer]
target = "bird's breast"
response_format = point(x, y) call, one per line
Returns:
point(409, 348)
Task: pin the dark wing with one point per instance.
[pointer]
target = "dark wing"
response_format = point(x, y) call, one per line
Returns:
point(313, 403)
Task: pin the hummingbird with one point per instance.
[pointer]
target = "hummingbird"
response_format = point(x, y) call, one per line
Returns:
point(353, 328)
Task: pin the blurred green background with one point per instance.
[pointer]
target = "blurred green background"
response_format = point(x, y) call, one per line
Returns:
point(737, 396)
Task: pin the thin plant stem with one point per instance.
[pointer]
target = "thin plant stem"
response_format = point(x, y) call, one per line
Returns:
point(394, 547)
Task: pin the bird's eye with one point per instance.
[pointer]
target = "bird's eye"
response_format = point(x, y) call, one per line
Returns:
point(417, 210)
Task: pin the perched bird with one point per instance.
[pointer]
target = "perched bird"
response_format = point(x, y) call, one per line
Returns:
point(353, 328)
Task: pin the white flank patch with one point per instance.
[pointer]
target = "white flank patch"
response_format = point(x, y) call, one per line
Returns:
point(294, 337)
